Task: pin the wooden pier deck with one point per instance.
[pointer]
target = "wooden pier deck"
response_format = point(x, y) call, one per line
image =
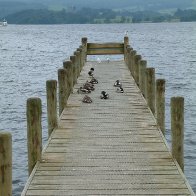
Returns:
point(108, 147)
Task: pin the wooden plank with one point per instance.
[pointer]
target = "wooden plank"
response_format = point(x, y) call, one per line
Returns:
point(104, 45)
point(105, 51)
point(110, 192)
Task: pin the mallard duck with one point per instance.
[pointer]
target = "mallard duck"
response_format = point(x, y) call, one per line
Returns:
point(94, 81)
point(83, 90)
point(104, 95)
point(89, 86)
point(87, 99)
point(90, 73)
point(120, 90)
point(117, 83)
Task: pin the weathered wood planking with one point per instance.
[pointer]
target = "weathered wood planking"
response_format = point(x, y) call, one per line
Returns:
point(105, 48)
point(104, 45)
point(108, 147)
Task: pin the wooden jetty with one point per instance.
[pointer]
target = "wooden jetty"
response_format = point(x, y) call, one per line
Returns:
point(112, 146)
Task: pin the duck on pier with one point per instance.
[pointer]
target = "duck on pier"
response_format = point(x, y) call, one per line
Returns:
point(94, 81)
point(87, 99)
point(117, 83)
point(104, 95)
point(91, 72)
point(120, 90)
point(89, 86)
point(82, 90)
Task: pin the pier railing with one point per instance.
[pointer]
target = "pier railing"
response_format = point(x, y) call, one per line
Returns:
point(153, 91)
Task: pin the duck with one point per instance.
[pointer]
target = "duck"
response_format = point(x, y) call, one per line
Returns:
point(90, 73)
point(120, 90)
point(87, 99)
point(94, 81)
point(89, 86)
point(104, 95)
point(117, 83)
point(83, 90)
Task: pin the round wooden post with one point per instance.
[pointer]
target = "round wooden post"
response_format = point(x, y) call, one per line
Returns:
point(137, 58)
point(74, 61)
point(34, 131)
point(129, 49)
point(80, 59)
point(142, 76)
point(82, 56)
point(5, 164)
point(51, 91)
point(84, 43)
point(62, 81)
point(150, 88)
point(160, 104)
point(68, 66)
point(126, 42)
point(77, 53)
point(177, 129)
point(132, 55)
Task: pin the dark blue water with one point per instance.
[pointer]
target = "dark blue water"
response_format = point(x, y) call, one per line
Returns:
point(30, 55)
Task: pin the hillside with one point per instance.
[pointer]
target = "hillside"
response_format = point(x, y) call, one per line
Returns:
point(8, 7)
point(89, 15)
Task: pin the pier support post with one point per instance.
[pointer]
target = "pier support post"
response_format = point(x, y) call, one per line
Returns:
point(150, 88)
point(142, 76)
point(160, 104)
point(5, 164)
point(34, 131)
point(77, 54)
point(51, 91)
point(82, 56)
point(80, 59)
point(62, 81)
point(126, 42)
point(137, 58)
point(128, 62)
point(132, 56)
point(177, 129)
point(74, 61)
point(84, 44)
point(68, 66)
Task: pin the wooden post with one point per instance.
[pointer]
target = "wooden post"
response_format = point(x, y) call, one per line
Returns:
point(51, 89)
point(82, 55)
point(74, 60)
point(84, 43)
point(132, 55)
point(5, 164)
point(62, 81)
point(137, 58)
point(80, 59)
point(77, 53)
point(177, 128)
point(142, 76)
point(150, 88)
point(126, 42)
point(160, 104)
point(129, 49)
point(34, 131)
point(68, 66)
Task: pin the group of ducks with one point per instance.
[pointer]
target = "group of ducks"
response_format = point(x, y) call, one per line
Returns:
point(89, 86)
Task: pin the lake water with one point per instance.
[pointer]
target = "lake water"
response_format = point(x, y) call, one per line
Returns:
point(30, 55)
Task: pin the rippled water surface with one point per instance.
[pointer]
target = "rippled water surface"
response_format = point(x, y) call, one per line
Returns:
point(30, 55)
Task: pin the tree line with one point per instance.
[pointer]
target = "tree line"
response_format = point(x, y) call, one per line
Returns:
point(89, 15)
